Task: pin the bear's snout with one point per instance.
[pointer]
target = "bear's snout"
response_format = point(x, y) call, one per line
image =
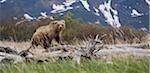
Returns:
point(61, 27)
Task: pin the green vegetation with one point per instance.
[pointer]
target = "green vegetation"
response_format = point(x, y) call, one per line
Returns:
point(75, 30)
point(121, 65)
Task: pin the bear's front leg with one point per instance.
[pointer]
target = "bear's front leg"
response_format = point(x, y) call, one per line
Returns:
point(58, 40)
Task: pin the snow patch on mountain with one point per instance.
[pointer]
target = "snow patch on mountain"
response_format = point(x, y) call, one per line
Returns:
point(69, 2)
point(2, 1)
point(43, 14)
point(135, 13)
point(108, 6)
point(85, 4)
point(28, 17)
point(96, 11)
point(111, 18)
point(116, 21)
point(148, 2)
point(60, 8)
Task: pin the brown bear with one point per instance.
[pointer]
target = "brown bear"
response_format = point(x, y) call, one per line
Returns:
point(45, 34)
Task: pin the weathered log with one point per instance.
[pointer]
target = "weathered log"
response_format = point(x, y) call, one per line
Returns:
point(88, 51)
point(76, 53)
point(11, 57)
point(7, 50)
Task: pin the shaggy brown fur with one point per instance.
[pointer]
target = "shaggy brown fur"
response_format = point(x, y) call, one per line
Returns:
point(45, 34)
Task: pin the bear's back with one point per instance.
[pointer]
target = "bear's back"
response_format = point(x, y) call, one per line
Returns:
point(43, 29)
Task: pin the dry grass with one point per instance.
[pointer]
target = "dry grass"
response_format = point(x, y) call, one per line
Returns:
point(22, 45)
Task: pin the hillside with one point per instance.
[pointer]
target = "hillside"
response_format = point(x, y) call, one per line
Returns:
point(133, 13)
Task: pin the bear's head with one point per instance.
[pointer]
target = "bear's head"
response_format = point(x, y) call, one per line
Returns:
point(58, 25)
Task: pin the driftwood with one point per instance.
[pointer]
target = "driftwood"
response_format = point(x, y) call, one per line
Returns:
point(4, 57)
point(93, 49)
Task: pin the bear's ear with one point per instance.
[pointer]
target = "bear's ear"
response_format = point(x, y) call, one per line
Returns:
point(63, 21)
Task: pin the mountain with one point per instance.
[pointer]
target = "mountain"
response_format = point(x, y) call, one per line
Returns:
point(134, 13)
